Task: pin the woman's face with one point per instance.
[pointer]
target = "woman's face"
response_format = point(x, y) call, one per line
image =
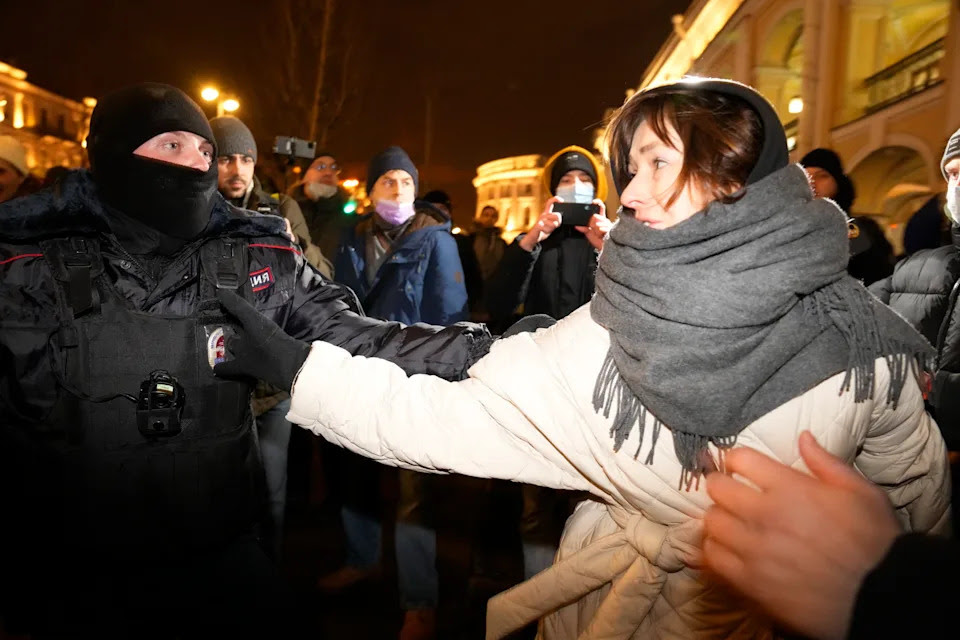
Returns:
point(654, 168)
point(10, 180)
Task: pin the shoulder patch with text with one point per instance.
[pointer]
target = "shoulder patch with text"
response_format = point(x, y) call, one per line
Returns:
point(261, 279)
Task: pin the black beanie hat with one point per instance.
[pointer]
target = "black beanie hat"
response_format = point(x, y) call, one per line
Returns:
point(571, 161)
point(172, 199)
point(773, 152)
point(389, 160)
point(233, 137)
point(951, 152)
point(829, 161)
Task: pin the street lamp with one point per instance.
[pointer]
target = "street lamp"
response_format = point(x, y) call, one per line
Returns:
point(224, 105)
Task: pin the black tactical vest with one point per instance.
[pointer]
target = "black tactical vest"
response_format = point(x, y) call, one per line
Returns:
point(130, 468)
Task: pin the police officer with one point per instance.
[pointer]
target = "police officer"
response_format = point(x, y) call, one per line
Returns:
point(130, 479)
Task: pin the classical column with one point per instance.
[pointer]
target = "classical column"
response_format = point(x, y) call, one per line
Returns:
point(865, 39)
point(829, 49)
point(812, 25)
point(746, 43)
point(951, 69)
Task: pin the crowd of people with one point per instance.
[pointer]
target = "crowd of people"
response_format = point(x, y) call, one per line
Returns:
point(728, 412)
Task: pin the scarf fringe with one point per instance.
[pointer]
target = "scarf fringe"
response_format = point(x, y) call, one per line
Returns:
point(848, 307)
point(843, 305)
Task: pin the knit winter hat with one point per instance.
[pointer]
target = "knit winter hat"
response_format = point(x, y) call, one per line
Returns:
point(391, 159)
point(233, 137)
point(571, 161)
point(829, 161)
point(951, 152)
point(13, 152)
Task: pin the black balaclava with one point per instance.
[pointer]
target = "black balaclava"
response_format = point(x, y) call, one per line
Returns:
point(176, 201)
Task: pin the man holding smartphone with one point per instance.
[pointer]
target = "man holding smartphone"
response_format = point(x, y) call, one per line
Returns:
point(550, 269)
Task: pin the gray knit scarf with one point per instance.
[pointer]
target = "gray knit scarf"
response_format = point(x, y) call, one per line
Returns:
point(725, 316)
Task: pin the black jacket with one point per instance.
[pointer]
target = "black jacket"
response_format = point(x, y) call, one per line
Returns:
point(325, 218)
point(40, 542)
point(288, 290)
point(924, 289)
point(911, 593)
point(556, 278)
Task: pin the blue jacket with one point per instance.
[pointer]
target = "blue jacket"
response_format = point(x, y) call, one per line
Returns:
point(420, 280)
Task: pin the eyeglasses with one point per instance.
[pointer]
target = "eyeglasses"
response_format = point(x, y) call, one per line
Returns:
point(323, 166)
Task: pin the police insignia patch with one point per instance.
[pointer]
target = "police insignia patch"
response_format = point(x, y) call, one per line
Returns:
point(261, 279)
point(216, 351)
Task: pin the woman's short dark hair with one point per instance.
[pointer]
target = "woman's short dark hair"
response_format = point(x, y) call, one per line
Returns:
point(722, 137)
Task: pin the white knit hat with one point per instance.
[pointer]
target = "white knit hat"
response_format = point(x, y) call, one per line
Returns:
point(13, 152)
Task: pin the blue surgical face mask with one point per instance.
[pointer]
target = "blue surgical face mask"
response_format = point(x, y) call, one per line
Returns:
point(579, 191)
point(953, 201)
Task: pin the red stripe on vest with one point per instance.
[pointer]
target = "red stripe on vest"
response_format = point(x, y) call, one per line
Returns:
point(275, 246)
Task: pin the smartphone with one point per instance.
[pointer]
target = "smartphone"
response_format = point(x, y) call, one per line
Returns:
point(576, 213)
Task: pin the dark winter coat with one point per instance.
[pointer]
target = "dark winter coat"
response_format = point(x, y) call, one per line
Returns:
point(288, 291)
point(875, 262)
point(286, 207)
point(924, 289)
point(421, 278)
point(556, 278)
point(911, 593)
point(325, 218)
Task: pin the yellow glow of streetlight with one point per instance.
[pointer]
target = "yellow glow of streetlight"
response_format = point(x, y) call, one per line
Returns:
point(352, 183)
point(230, 105)
point(795, 106)
point(209, 94)
point(456, 231)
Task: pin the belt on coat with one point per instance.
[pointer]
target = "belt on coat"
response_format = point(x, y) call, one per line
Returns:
point(635, 561)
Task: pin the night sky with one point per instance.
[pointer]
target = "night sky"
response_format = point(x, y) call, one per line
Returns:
point(505, 77)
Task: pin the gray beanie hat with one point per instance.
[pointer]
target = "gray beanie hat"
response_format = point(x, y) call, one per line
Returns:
point(233, 137)
point(951, 152)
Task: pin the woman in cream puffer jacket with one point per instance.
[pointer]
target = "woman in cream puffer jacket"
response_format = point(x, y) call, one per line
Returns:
point(723, 316)
point(623, 568)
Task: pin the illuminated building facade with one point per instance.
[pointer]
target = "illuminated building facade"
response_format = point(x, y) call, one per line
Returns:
point(514, 187)
point(876, 80)
point(51, 128)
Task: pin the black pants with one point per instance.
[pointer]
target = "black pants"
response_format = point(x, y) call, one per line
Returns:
point(231, 591)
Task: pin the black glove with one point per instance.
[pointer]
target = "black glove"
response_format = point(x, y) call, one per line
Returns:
point(260, 349)
point(529, 324)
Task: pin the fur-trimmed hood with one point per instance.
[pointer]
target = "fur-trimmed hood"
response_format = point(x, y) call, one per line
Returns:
point(74, 207)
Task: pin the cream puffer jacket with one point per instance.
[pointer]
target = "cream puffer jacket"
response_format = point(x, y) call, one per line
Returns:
point(623, 568)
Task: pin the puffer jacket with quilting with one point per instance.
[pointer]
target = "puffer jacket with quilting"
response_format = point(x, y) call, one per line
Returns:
point(924, 289)
point(624, 565)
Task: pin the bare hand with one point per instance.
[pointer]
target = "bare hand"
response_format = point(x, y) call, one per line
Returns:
point(546, 224)
point(292, 237)
point(799, 546)
point(599, 226)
